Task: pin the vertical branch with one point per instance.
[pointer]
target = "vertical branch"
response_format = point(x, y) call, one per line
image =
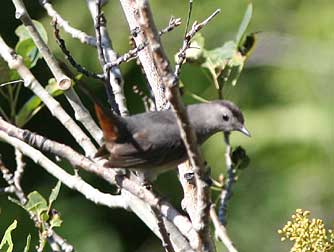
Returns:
point(201, 220)
point(107, 55)
point(131, 11)
point(227, 191)
point(221, 231)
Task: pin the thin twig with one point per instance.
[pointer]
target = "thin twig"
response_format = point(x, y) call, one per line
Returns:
point(188, 17)
point(172, 24)
point(114, 81)
point(221, 231)
point(11, 82)
point(166, 242)
point(230, 180)
point(147, 101)
point(227, 191)
point(75, 33)
point(196, 27)
point(20, 164)
point(130, 55)
point(69, 57)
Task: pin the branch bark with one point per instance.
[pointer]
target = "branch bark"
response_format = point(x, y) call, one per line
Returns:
point(64, 82)
point(15, 62)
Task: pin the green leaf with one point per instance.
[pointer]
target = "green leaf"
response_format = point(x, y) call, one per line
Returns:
point(22, 32)
point(7, 238)
point(27, 246)
point(244, 24)
point(34, 104)
point(27, 49)
point(26, 46)
point(36, 204)
point(196, 49)
point(218, 58)
point(55, 221)
point(54, 194)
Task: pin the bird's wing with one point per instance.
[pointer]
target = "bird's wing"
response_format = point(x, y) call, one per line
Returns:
point(142, 152)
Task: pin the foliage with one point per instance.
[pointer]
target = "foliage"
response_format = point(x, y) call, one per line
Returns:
point(41, 211)
point(226, 62)
point(7, 239)
point(308, 235)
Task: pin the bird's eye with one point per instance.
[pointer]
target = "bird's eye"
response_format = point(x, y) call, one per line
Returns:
point(226, 117)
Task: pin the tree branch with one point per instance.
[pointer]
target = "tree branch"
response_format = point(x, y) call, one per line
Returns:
point(64, 82)
point(74, 182)
point(201, 219)
point(12, 180)
point(75, 33)
point(221, 231)
point(107, 55)
point(15, 62)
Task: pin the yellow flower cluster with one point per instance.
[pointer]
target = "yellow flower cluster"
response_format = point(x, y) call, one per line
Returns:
point(308, 235)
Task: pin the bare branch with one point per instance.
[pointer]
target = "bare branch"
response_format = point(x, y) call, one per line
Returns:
point(132, 54)
point(220, 231)
point(201, 219)
point(64, 82)
point(172, 24)
point(75, 33)
point(227, 191)
point(187, 41)
point(155, 81)
point(69, 57)
point(15, 62)
point(166, 242)
point(113, 75)
point(71, 181)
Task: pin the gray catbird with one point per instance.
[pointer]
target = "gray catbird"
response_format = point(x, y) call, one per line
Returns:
point(151, 141)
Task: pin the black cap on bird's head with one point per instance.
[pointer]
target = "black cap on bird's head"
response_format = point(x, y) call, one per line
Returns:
point(231, 118)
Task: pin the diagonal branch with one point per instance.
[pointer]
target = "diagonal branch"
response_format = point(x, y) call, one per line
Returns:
point(201, 220)
point(15, 62)
point(64, 82)
point(15, 136)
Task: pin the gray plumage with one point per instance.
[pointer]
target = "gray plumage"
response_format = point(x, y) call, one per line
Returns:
point(152, 140)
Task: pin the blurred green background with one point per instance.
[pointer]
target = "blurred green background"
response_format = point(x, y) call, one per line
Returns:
point(286, 92)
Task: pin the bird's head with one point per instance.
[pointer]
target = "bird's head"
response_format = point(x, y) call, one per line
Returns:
point(229, 117)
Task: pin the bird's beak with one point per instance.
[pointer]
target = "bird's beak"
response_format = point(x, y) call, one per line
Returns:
point(245, 131)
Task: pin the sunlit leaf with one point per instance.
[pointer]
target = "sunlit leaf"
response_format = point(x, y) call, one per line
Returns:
point(244, 23)
point(26, 46)
point(22, 32)
point(196, 49)
point(55, 221)
point(34, 104)
point(54, 194)
point(36, 204)
point(27, 246)
point(7, 238)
